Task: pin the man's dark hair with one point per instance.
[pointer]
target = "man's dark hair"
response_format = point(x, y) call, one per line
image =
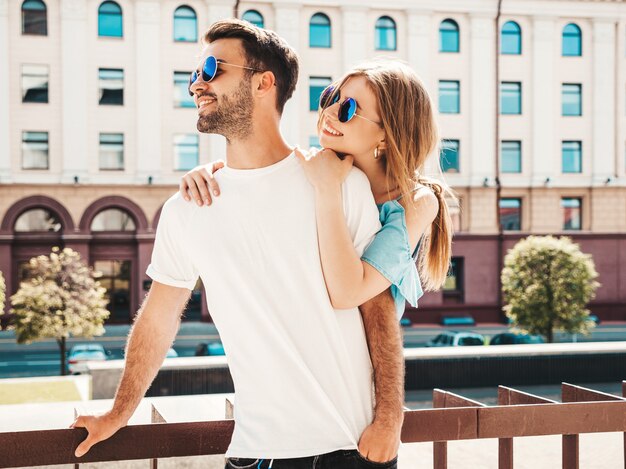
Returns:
point(264, 50)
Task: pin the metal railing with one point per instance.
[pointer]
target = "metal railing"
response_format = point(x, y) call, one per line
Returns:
point(453, 417)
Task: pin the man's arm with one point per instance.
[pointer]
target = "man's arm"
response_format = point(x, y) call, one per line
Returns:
point(380, 440)
point(153, 332)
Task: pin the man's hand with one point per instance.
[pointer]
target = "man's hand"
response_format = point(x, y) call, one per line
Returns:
point(379, 442)
point(99, 427)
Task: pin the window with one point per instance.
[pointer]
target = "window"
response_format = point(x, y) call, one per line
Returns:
point(449, 157)
point(385, 34)
point(316, 86)
point(448, 36)
point(34, 83)
point(314, 141)
point(572, 41)
point(113, 219)
point(572, 157)
point(34, 18)
point(110, 20)
point(511, 214)
point(571, 96)
point(511, 156)
point(572, 216)
point(254, 17)
point(111, 86)
point(511, 38)
point(116, 279)
point(510, 98)
point(181, 90)
point(185, 152)
point(111, 151)
point(319, 31)
point(38, 219)
point(34, 150)
point(449, 99)
point(185, 25)
point(453, 291)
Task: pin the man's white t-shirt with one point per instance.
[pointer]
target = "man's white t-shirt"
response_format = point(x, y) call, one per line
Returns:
point(301, 370)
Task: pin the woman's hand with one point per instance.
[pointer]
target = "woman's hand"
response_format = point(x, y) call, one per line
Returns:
point(323, 168)
point(199, 183)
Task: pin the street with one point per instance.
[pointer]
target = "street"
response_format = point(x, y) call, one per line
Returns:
point(42, 358)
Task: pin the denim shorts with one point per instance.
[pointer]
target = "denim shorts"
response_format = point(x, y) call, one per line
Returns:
point(341, 459)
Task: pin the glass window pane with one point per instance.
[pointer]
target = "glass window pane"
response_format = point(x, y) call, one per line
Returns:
point(34, 150)
point(511, 161)
point(116, 278)
point(110, 20)
point(254, 17)
point(511, 98)
point(571, 99)
point(572, 216)
point(511, 214)
point(448, 36)
point(38, 219)
point(111, 86)
point(185, 25)
point(34, 18)
point(385, 36)
point(319, 31)
point(572, 40)
point(453, 281)
point(113, 219)
point(111, 151)
point(185, 152)
point(449, 97)
point(34, 83)
point(181, 90)
point(316, 86)
point(449, 158)
point(572, 157)
point(511, 39)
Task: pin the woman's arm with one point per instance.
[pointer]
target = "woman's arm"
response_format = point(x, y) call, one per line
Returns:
point(349, 280)
point(199, 183)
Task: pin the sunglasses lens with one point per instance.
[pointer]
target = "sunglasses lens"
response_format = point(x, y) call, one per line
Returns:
point(192, 79)
point(209, 69)
point(327, 98)
point(347, 110)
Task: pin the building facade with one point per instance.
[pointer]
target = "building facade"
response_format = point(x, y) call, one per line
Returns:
point(96, 126)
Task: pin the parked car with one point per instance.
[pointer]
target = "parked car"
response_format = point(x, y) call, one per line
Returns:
point(80, 354)
point(506, 338)
point(171, 353)
point(455, 339)
point(213, 348)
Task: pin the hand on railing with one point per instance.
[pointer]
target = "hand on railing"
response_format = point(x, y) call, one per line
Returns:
point(99, 428)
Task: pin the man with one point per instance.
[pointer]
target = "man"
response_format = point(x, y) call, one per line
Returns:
point(302, 371)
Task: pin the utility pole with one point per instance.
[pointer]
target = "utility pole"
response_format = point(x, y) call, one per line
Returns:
point(500, 238)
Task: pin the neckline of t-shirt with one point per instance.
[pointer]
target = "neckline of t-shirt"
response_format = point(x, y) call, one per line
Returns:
point(233, 172)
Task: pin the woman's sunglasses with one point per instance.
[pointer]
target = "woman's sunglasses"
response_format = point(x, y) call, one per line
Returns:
point(347, 109)
point(209, 70)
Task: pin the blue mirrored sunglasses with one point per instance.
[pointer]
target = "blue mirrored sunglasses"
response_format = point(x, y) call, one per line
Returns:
point(209, 70)
point(347, 109)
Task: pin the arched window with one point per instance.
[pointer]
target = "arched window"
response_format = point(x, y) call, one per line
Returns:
point(34, 18)
point(572, 40)
point(185, 24)
point(511, 38)
point(385, 33)
point(254, 17)
point(110, 20)
point(319, 31)
point(448, 36)
point(113, 219)
point(38, 219)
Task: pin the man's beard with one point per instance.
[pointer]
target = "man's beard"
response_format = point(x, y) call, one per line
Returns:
point(233, 116)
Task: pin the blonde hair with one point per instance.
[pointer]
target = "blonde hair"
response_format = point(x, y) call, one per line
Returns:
point(411, 135)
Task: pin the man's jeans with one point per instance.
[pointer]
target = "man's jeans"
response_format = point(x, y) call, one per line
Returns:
point(342, 459)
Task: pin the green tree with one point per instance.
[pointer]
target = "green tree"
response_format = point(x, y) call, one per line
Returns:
point(547, 283)
point(59, 298)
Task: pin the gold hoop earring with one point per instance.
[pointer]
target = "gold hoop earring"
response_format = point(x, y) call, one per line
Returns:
point(376, 153)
